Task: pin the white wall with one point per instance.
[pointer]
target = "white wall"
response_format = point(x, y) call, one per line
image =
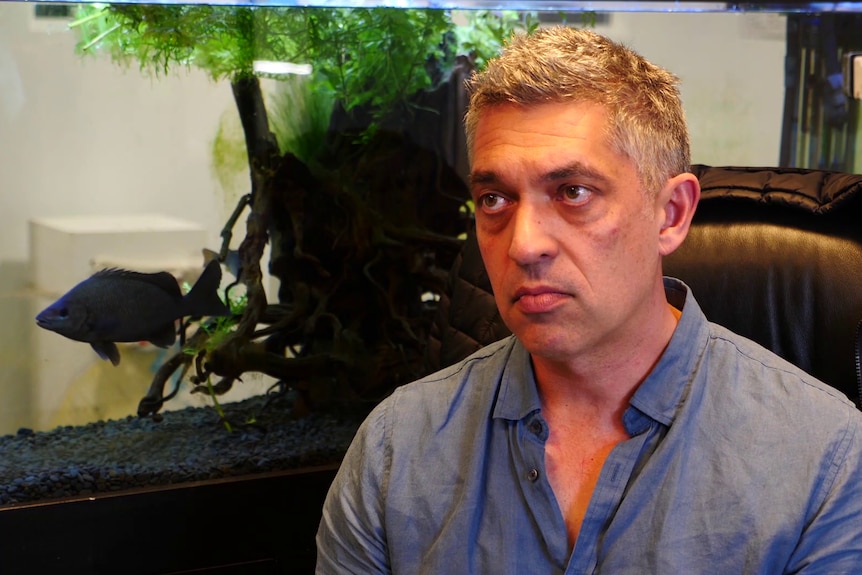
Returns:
point(731, 66)
point(84, 136)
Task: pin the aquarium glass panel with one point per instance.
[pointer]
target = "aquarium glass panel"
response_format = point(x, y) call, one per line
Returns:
point(225, 227)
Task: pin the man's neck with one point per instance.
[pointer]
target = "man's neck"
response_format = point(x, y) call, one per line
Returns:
point(604, 383)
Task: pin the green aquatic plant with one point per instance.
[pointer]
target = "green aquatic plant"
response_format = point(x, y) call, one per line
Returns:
point(159, 37)
point(484, 33)
point(361, 57)
point(299, 117)
point(217, 406)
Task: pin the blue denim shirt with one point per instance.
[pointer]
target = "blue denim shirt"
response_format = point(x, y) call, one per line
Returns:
point(737, 463)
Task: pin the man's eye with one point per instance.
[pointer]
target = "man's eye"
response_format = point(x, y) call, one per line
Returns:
point(492, 203)
point(575, 195)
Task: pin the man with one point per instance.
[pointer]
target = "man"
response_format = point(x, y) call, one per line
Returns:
point(617, 431)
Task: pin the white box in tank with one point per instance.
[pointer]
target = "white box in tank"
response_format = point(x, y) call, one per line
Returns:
point(63, 250)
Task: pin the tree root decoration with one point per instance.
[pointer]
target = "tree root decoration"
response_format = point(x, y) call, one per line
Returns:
point(236, 357)
point(227, 231)
point(263, 159)
point(226, 237)
point(154, 399)
point(229, 360)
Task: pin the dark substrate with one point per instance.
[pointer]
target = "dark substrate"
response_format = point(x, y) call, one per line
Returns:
point(187, 445)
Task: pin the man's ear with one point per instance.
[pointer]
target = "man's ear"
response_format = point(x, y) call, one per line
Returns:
point(679, 197)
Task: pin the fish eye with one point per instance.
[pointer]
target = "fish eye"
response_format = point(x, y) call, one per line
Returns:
point(63, 313)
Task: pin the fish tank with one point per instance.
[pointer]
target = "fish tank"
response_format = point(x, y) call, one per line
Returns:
point(226, 228)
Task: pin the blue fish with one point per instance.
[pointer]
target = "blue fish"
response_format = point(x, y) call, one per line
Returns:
point(119, 305)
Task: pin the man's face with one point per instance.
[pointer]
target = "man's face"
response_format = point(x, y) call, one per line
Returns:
point(569, 238)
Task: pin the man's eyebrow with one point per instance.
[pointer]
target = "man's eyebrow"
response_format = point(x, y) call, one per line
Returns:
point(483, 177)
point(577, 169)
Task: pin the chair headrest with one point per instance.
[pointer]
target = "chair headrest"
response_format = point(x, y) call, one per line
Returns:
point(813, 191)
point(775, 254)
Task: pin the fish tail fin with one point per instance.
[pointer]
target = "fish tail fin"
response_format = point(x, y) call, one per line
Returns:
point(209, 255)
point(231, 261)
point(203, 298)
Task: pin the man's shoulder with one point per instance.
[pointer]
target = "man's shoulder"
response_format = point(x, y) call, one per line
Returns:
point(454, 396)
point(774, 380)
point(479, 370)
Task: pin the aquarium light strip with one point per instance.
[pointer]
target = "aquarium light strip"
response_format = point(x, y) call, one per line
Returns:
point(280, 68)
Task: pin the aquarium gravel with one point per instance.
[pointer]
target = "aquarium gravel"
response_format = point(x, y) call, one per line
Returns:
point(191, 444)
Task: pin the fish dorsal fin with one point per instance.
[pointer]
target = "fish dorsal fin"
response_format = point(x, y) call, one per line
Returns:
point(162, 280)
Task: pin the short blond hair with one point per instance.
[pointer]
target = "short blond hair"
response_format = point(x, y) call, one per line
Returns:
point(561, 64)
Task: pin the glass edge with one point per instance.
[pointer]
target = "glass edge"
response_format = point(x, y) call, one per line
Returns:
point(525, 5)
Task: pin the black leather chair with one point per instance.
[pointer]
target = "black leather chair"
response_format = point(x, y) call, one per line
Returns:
point(774, 254)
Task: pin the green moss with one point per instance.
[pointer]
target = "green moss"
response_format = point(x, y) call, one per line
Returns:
point(229, 159)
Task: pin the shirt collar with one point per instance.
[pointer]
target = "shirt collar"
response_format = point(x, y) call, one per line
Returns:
point(519, 396)
point(660, 394)
point(664, 390)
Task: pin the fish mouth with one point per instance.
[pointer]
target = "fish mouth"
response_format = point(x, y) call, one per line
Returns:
point(44, 320)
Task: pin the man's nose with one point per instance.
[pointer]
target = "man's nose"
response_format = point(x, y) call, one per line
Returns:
point(532, 237)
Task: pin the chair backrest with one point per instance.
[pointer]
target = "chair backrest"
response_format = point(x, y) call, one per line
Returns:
point(774, 254)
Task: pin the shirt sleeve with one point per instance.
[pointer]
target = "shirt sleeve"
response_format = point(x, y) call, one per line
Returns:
point(832, 541)
point(351, 537)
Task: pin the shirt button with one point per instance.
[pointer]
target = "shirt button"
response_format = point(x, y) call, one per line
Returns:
point(536, 427)
point(533, 475)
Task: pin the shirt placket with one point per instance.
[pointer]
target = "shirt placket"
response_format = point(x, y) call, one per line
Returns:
point(607, 495)
point(529, 437)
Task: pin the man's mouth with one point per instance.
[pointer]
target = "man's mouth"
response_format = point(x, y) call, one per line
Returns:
point(539, 299)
